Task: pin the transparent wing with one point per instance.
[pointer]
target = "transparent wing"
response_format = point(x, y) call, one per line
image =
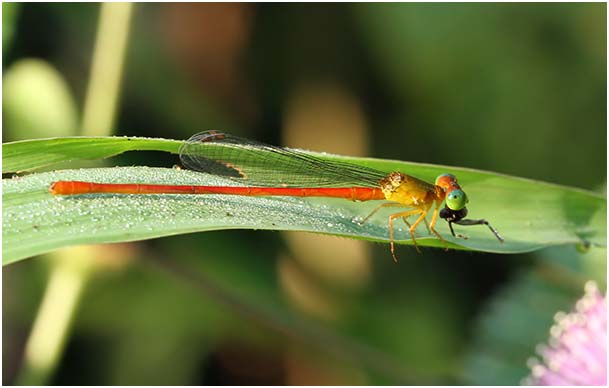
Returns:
point(257, 164)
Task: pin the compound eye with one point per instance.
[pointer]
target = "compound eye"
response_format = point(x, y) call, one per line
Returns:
point(456, 199)
point(445, 179)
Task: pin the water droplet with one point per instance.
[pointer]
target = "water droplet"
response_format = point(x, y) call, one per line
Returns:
point(357, 220)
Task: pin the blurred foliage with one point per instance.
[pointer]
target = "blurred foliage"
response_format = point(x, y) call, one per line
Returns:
point(10, 12)
point(511, 327)
point(514, 88)
point(36, 101)
point(484, 73)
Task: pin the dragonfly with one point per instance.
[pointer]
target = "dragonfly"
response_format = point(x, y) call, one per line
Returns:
point(260, 169)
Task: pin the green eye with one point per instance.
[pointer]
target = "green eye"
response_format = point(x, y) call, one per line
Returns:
point(456, 199)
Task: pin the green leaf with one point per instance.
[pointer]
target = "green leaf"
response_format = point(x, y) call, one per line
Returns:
point(28, 155)
point(10, 14)
point(530, 215)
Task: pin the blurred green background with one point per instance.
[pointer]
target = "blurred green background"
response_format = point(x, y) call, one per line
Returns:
point(514, 88)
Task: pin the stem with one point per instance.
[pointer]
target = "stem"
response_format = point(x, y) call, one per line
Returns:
point(67, 280)
point(106, 69)
point(47, 339)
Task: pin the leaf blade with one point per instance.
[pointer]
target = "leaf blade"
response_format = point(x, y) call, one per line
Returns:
point(28, 155)
point(530, 214)
point(35, 222)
